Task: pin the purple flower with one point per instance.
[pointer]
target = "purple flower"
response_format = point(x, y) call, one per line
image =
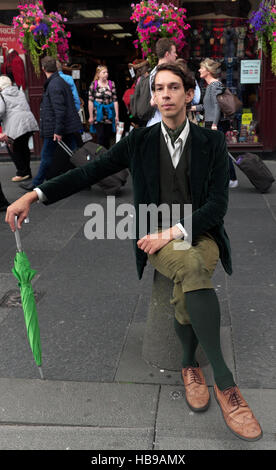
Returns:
point(42, 30)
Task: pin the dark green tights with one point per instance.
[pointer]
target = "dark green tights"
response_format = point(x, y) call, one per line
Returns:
point(204, 311)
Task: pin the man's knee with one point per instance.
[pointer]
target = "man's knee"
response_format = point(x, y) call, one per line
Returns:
point(193, 266)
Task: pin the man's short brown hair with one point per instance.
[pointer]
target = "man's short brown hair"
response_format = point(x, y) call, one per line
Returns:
point(163, 45)
point(186, 77)
point(49, 64)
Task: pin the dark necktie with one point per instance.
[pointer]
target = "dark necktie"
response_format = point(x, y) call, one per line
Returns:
point(174, 133)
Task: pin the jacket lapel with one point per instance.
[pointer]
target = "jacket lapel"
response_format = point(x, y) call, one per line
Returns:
point(150, 156)
point(199, 164)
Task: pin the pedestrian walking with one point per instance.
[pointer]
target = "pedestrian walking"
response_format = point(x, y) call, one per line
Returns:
point(103, 106)
point(175, 162)
point(210, 71)
point(18, 125)
point(140, 106)
point(166, 53)
point(59, 119)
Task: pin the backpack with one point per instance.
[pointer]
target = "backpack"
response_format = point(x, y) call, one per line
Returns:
point(140, 106)
point(228, 103)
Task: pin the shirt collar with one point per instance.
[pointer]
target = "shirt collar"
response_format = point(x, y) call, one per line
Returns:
point(182, 137)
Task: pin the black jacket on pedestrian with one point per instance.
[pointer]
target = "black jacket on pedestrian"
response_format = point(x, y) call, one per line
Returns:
point(58, 114)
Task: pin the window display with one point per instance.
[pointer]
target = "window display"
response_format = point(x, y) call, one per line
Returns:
point(233, 44)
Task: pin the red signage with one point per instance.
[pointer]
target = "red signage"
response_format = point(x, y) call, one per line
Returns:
point(8, 39)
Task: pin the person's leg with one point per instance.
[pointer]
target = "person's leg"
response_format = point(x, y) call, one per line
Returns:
point(107, 135)
point(189, 343)
point(202, 304)
point(71, 141)
point(3, 201)
point(100, 133)
point(203, 307)
point(191, 271)
point(233, 175)
point(48, 149)
point(22, 155)
point(224, 126)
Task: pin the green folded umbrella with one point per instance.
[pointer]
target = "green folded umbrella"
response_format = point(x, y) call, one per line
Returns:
point(23, 272)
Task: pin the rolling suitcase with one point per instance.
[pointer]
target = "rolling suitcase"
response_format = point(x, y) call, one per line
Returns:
point(255, 170)
point(87, 153)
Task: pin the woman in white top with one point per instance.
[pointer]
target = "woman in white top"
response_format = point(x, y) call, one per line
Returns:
point(18, 125)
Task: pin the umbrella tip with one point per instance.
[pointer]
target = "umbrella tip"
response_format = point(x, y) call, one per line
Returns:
point(41, 373)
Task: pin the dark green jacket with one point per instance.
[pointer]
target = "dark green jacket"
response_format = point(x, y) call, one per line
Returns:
point(139, 152)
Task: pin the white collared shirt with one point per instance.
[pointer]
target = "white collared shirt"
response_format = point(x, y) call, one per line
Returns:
point(176, 151)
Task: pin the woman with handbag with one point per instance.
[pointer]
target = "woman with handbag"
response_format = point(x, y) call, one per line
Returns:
point(18, 125)
point(210, 71)
point(103, 106)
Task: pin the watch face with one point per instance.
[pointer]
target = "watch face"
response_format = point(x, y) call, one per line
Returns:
point(195, 32)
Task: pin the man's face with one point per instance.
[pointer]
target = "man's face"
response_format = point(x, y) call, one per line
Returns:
point(170, 95)
point(172, 55)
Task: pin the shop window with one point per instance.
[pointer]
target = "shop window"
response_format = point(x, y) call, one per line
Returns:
point(232, 43)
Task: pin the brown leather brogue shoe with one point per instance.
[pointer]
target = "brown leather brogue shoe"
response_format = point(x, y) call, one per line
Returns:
point(237, 414)
point(196, 391)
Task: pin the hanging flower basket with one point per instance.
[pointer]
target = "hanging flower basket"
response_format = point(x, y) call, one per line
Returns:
point(263, 22)
point(41, 34)
point(155, 21)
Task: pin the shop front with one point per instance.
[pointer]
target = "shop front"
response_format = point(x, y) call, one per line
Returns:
point(103, 33)
point(221, 31)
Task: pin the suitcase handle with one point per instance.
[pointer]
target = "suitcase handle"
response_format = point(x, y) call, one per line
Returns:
point(65, 147)
point(232, 158)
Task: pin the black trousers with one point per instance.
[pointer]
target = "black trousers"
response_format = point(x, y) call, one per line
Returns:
point(104, 134)
point(3, 199)
point(224, 126)
point(21, 155)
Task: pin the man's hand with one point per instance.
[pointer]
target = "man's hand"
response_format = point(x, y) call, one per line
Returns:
point(20, 208)
point(3, 137)
point(154, 242)
point(57, 137)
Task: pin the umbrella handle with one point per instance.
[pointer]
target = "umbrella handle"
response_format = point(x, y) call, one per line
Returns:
point(17, 236)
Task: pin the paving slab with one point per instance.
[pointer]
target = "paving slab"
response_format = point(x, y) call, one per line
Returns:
point(177, 427)
point(108, 266)
point(81, 337)
point(194, 440)
point(133, 368)
point(78, 403)
point(74, 438)
point(254, 331)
